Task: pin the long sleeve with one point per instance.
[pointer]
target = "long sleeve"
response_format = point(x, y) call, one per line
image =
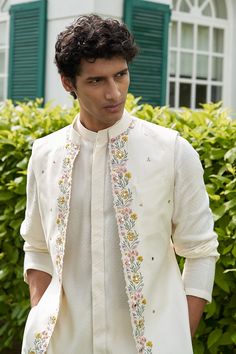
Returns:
point(193, 234)
point(36, 252)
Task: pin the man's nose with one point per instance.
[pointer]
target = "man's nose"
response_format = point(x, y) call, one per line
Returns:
point(112, 91)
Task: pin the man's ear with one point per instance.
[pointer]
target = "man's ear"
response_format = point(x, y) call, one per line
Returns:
point(67, 84)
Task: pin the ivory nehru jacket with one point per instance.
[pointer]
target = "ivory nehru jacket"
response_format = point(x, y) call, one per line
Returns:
point(144, 204)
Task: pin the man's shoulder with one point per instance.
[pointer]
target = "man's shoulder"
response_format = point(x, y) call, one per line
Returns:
point(155, 130)
point(52, 142)
point(56, 138)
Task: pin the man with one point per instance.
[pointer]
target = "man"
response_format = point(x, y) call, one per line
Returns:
point(111, 199)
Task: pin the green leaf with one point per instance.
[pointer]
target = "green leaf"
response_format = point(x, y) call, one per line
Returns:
point(230, 204)
point(14, 256)
point(220, 279)
point(4, 273)
point(210, 309)
point(234, 251)
point(233, 337)
point(229, 270)
point(20, 205)
point(230, 155)
point(219, 212)
point(198, 348)
point(214, 337)
point(216, 153)
point(23, 163)
point(15, 224)
point(226, 339)
point(6, 142)
point(227, 250)
point(6, 195)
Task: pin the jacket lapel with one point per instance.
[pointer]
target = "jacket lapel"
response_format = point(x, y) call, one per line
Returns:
point(63, 201)
point(121, 180)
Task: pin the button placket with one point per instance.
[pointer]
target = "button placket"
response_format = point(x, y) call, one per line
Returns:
point(97, 246)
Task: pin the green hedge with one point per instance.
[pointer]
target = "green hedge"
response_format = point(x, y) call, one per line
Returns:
point(211, 133)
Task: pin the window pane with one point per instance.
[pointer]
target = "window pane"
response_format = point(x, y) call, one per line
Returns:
point(174, 34)
point(220, 7)
point(3, 28)
point(186, 66)
point(216, 93)
point(207, 11)
point(218, 40)
point(201, 95)
point(203, 38)
point(172, 94)
point(217, 69)
point(185, 95)
point(202, 67)
point(174, 4)
point(187, 36)
point(173, 59)
point(2, 62)
point(184, 6)
point(1, 89)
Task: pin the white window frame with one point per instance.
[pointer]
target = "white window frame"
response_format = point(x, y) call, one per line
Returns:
point(4, 17)
point(196, 20)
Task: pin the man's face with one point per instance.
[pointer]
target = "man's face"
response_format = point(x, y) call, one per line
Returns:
point(101, 88)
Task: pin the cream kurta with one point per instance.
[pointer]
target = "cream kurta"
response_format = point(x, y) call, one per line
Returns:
point(94, 312)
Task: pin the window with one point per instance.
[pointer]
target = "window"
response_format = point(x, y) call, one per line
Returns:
point(27, 50)
point(3, 57)
point(197, 52)
point(149, 23)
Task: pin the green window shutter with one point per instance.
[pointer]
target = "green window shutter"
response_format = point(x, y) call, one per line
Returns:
point(27, 50)
point(149, 23)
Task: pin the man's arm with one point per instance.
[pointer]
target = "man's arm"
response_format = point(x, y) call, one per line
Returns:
point(38, 283)
point(193, 235)
point(37, 262)
point(196, 307)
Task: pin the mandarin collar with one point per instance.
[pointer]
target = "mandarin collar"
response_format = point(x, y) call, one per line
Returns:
point(78, 131)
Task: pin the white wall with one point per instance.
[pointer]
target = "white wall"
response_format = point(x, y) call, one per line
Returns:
point(58, 18)
point(69, 8)
point(232, 84)
point(53, 87)
point(113, 8)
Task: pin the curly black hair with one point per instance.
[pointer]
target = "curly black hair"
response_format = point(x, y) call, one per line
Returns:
point(91, 37)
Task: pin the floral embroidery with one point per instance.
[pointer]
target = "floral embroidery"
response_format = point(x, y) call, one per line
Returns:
point(129, 240)
point(41, 339)
point(63, 201)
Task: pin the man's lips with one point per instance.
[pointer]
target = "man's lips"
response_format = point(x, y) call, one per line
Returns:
point(114, 107)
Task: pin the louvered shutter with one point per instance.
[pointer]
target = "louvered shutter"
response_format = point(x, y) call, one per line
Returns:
point(149, 23)
point(27, 51)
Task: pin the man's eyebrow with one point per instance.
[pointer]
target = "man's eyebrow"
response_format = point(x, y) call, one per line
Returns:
point(94, 78)
point(125, 70)
point(122, 71)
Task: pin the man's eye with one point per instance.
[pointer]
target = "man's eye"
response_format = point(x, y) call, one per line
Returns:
point(94, 81)
point(121, 74)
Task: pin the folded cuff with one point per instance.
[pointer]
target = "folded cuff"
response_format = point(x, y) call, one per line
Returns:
point(37, 260)
point(199, 293)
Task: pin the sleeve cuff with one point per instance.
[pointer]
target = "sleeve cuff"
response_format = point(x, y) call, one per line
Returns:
point(39, 261)
point(198, 277)
point(199, 293)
